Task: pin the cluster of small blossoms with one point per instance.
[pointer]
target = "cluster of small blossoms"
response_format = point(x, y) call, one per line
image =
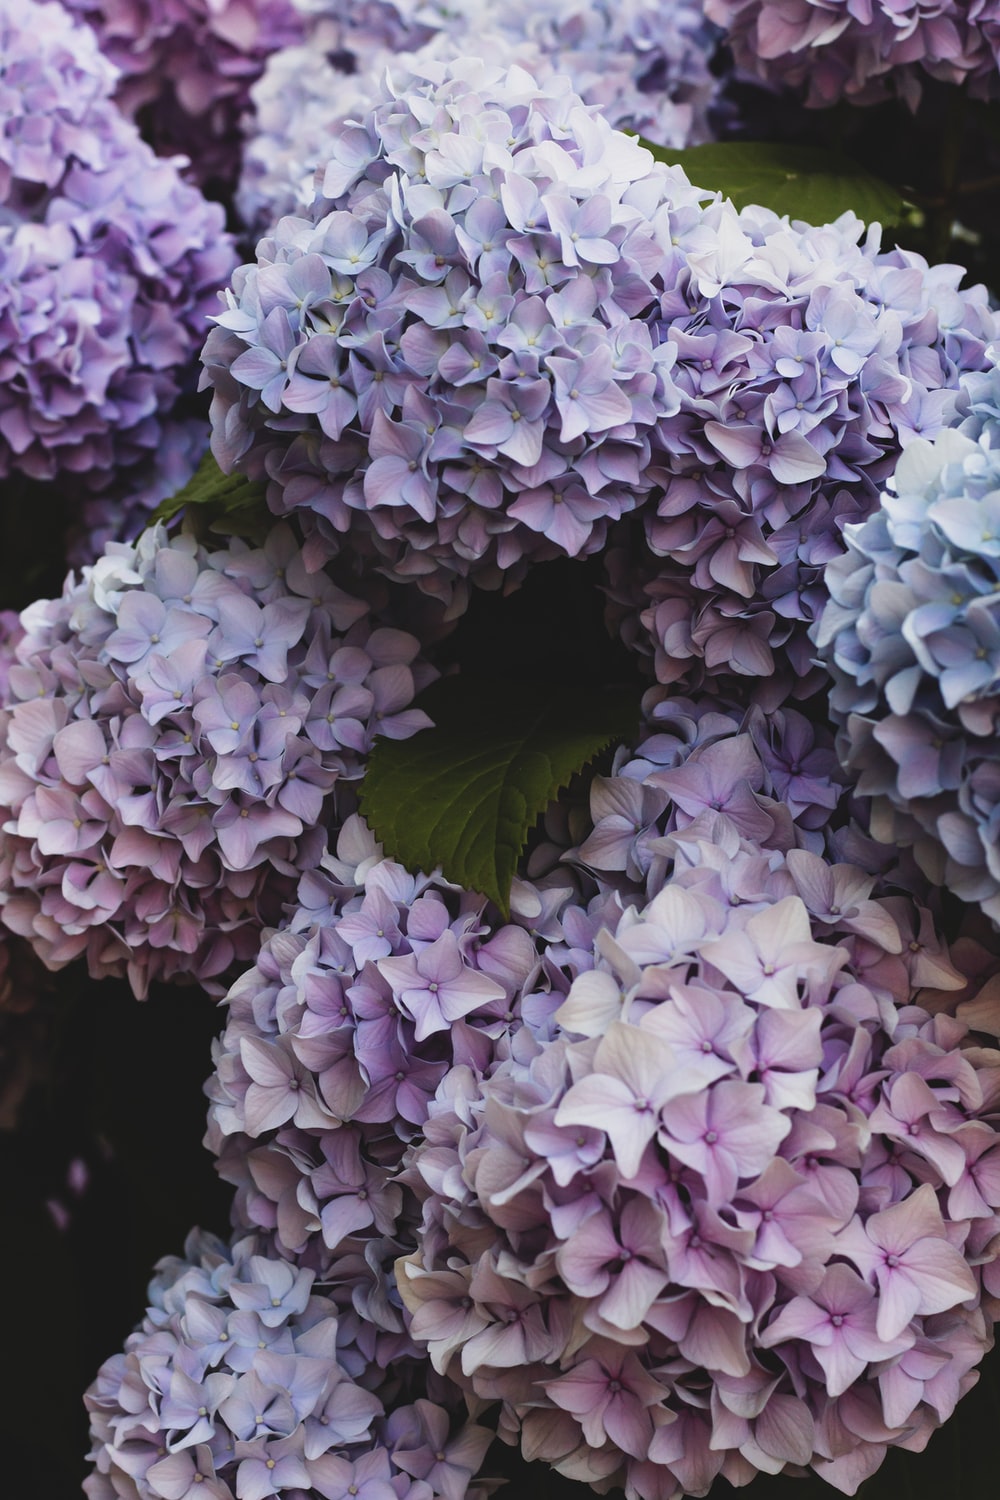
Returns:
point(109, 261)
point(186, 68)
point(775, 778)
point(644, 65)
point(241, 1381)
point(742, 1212)
point(447, 358)
point(911, 638)
point(864, 51)
point(379, 985)
point(176, 724)
point(805, 362)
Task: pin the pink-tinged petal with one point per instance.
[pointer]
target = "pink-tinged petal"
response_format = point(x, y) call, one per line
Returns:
point(899, 1301)
point(632, 1293)
point(799, 1319)
point(610, 1105)
point(794, 460)
point(940, 1274)
point(627, 1424)
point(78, 749)
point(785, 1430)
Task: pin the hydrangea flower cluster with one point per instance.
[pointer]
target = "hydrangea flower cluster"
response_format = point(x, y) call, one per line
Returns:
point(774, 778)
point(186, 68)
point(177, 722)
point(852, 49)
point(741, 1213)
point(910, 636)
point(643, 64)
point(805, 361)
point(109, 261)
point(241, 1381)
point(377, 987)
point(447, 358)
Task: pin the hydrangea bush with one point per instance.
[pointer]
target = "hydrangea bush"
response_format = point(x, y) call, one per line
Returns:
point(762, 381)
point(631, 1097)
point(109, 264)
point(179, 720)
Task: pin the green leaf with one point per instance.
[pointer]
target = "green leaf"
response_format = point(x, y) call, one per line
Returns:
point(806, 182)
point(465, 795)
point(226, 503)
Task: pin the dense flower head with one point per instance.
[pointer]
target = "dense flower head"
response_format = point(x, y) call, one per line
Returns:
point(356, 1010)
point(178, 722)
point(910, 636)
point(770, 777)
point(738, 1214)
point(645, 65)
point(241, 1381)
point(109, 261)
point(449, 357)
point(861, 50)
point(806, 359)
point(185, 69)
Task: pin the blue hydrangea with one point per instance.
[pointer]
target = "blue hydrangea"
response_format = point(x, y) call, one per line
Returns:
point(912, 640)
point(243, 1380)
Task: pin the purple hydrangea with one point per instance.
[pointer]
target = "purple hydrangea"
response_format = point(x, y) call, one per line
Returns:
point(910, 636)
point(356, 1011)
point(862, 51)
point(242, 1380)
point(109, 263)
point(178, 723)
point(185, 69)
point(804, 362)
point(450, 357)
point(645, 65)
point(740, 1214)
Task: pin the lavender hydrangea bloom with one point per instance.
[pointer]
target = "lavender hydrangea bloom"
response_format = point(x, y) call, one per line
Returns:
point(379, 985)
point(910, 637)
point(177, 723)
point(186, 67)
point(643, 64)
point(732, 1217)
point(447, 357)
point(805, 362)
point(240, 1381)
point(109, 263)
point(851, 49)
